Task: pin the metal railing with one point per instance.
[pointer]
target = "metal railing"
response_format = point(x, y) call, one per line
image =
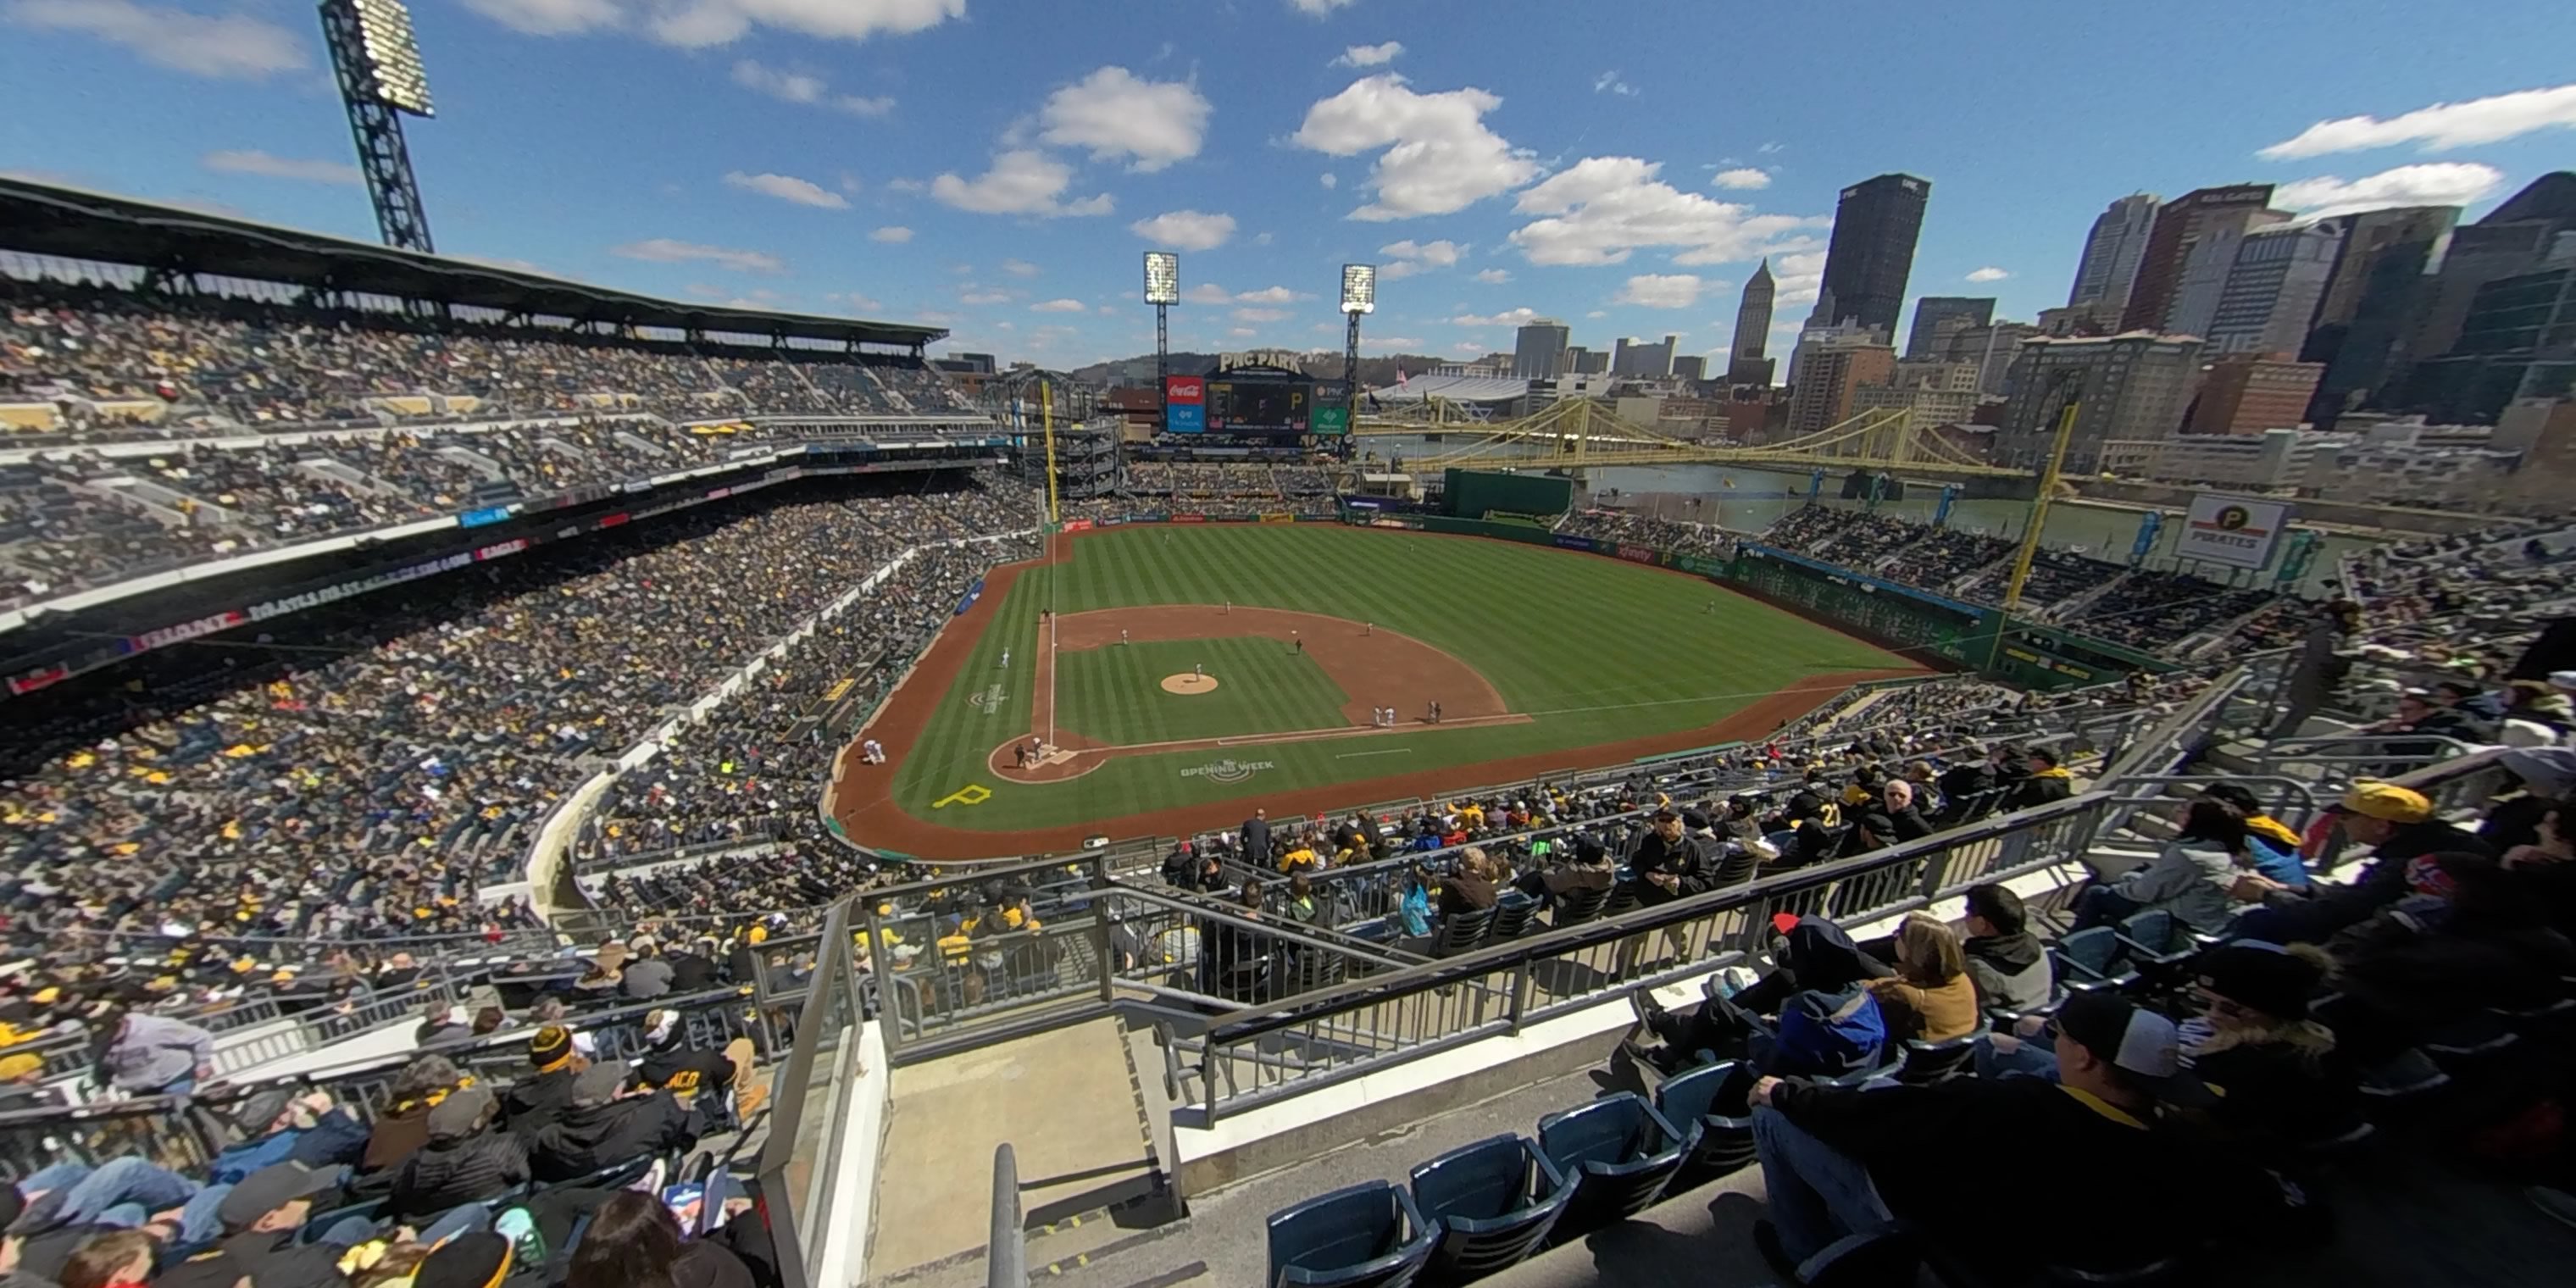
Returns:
point(1006, 1251)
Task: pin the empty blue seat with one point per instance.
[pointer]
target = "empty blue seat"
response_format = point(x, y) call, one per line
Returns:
point(1461, 931)
point(1512, 914)
point(1707, 1104)
point(1618, 1153)
point(1491, 1202)
point(2156, 937)
point(2088, 959)
point(1366, 1236)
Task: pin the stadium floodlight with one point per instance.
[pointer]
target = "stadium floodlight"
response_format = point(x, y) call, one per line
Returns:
point(384, 27)
point(1359, 288)
point(1162, 277)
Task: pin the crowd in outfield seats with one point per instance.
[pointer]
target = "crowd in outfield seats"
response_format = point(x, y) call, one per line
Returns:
point(1705, 540)
point(366, 769)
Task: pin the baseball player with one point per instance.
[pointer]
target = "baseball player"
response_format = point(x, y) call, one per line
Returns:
point(1197, 671)
point(1006, 659)
point(1122, 635)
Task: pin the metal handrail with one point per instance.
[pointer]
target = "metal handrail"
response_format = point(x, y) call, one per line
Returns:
point(1006, 1253)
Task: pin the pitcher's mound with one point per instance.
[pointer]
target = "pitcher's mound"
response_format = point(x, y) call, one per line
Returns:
point(1189, 684)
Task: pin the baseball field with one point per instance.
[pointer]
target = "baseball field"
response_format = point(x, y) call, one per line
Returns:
point(1155, 679)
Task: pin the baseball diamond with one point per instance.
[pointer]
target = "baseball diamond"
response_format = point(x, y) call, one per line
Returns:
point(1540, 660)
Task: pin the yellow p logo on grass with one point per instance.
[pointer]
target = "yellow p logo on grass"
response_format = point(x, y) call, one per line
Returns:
point(970, 794)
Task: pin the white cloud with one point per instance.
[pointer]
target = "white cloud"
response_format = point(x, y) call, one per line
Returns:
point(1745, 179)
point(1185, 229)
point(693, 24)
point(1797, 277)
point(234, 46)
point(894, 234)
point(1438, 157)
point(1370, 55)
point(1511, 317)
point(1259, 315)
point(1021, 182)
point(1272, 295)
point(2437, 128)
point(1390, 343)
point(2436, 183)
point(979, 295)
point(1329, 180)
point(1019, 268)
point(1660, 290)
point(260, 163)
point(1116, 114)
point(1494, 276)
point(1609, 83)
point(787, 187)
point(1989, 274)
point(1411, 257)
point(664, 250)
point(1597, 314)
point(1206, 293)
point(1058, 306)
point(1318, 8)
point(1604, 208)
point(1262, 240)
point(798, 87)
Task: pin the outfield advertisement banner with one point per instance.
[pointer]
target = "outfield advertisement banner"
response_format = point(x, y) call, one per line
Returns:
point(1278, 518)
point(2236, 531)
point(1077, 525)
point(973, 593)
point(1188, 518)
point(1577, 543)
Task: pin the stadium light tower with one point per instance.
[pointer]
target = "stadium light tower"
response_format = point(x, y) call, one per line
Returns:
point(377, 60)
point(1359, 295)
point(1162, 290)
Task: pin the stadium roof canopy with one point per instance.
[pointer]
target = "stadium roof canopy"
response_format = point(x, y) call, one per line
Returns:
point(43, 219)
point(1470, 389)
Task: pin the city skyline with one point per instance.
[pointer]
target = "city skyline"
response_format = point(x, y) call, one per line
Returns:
point(865, 156)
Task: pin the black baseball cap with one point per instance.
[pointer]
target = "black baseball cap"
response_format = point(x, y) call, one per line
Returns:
point(268, 1189)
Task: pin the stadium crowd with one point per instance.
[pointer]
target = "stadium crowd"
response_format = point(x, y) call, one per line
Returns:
point(1702, 539)
point(367, 768)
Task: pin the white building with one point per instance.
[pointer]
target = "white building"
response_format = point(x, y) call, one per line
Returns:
point(2272, 292)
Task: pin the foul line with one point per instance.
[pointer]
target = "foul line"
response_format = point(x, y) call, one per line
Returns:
point(1391, 751)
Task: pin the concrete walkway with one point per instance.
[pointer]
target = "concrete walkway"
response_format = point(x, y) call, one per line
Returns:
point(1065, 1103)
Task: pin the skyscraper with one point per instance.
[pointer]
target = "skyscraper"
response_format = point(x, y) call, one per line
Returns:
point(1745, 364)
point(1538, 353)
point(2132, 386)
point(1872, 254)
point(2272, 291)
point(1634, 357)
point(2514, 238)
point(2180, 226)
point(2378, 285)
point(1829, 379)
point(1931, 310)
point(2111, 255)
point(2208, 259)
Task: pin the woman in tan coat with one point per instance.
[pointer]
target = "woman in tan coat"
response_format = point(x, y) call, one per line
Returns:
point(1930, 998)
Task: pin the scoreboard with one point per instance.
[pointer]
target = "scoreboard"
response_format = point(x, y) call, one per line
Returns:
point(1248, 408)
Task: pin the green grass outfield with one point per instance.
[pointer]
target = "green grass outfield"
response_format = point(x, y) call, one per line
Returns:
point(1115, 695)
point(1596, 650)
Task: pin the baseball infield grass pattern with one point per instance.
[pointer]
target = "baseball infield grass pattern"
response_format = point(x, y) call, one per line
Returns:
point(1594, 650)
point(1115, 695)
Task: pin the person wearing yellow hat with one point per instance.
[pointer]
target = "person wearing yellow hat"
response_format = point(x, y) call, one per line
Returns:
point(2399, 826)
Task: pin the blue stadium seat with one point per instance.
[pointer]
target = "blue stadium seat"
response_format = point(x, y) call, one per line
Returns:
point(1926, 1063)
point(1460, 932)
point(1492, 1203)
point(1512, 915)
point(2156, 937)
point(1619, 1154)
point(2088, 960)
point(1707, 1104)
point(1579, 906)
point(1365, 1236)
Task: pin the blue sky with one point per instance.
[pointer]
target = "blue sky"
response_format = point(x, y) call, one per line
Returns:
point(997, 166)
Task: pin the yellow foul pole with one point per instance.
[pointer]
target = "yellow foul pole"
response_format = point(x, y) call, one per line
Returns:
point(2039, 508)
point(1046, 418)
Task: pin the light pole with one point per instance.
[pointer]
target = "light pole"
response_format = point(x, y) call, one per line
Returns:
point(1359, 295)
point(1163, 290)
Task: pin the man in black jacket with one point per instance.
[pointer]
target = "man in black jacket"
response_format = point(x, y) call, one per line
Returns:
point(1964, 786)
point(1256, 840)
point(534, 1101)
point(2048, 781)
point(2007, 964)
point(607, 1124)
point(1675, 858)
point(261, 1216)
point(2399, 826)
point(1841, 1160)
point(467, 1160)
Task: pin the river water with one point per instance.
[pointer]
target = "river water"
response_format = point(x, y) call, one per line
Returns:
point(1748, 500)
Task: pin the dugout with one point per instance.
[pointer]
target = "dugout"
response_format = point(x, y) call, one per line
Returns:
point(1474, 494)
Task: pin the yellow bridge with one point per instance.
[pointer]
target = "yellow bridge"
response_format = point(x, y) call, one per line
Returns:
point(1576, 433)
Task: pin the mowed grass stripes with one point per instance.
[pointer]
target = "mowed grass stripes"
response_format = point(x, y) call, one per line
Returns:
point(1115, 695)
point(1595, 650)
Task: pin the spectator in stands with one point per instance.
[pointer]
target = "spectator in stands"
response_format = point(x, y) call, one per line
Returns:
point(1256, 838)
point(2047, 781)
point(634, 1242)
point(1302, 907)
point(668, 1063)
point(1589, 869)
point(2271, 848)
point(149, 1055)
point(1813, 962)
point(2536, 715)
point(1903, 816)
point(2279, 1080)
point(1929, 998)
point(538, 1098)
point(1471, 888)
point(2399, 826)
point(2006, 963)
point(119, 1260)
point(442, 1024)
point(2190, 878)
point(465, 1160)
point(608, 1123)
point(402, 1128)
point(2547, 866)
point(647, 977)
point(1842, 1160)
point(2547, 778)
point(1965, 785)
point(282, 1124)
point(1803, 837)
point(261, 1217)
point(2467, 935)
